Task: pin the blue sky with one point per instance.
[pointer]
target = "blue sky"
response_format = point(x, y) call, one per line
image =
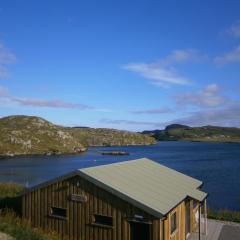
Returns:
point(131, 65)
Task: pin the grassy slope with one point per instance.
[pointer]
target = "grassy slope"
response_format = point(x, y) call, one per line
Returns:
point(8, 190)
point(13, 225)
point(110, 137)
point(224, 215)
point(203, 134)
point(33, 135)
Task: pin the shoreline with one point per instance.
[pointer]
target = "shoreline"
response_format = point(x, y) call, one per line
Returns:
point(9, 156)
point(2, 157)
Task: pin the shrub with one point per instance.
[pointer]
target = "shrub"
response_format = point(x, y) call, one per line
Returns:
point(9, 196)
point(8, 190)
point(224, 215)
point(21, 229)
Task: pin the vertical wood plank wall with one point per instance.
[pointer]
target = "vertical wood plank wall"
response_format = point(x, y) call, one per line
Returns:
point(179, 234)
point(37, 205)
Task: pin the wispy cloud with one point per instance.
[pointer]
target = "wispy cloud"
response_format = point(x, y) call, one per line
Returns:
point(230, 57)
point(6, 58)
point(49, 103)
point(234, 30)
point(163, 72)
point(210, 96)
point(129, 122)
point(4, 93)
point(35, 102)
point(153, 111)
point(228, 116)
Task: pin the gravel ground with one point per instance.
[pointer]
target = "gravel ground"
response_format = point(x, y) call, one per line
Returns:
point(230, 232)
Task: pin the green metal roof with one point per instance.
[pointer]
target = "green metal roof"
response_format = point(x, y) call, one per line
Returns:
point(148, 185)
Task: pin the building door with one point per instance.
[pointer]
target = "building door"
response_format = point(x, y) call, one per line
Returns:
point(187, 218)
point(139, 231)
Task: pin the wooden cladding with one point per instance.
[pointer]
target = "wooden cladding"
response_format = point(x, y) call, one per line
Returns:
point(79, 224)
point(78, 209)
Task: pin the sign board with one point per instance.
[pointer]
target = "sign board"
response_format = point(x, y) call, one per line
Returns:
point(78, 198)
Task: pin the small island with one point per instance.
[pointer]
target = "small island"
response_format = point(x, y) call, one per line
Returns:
point(116, 153)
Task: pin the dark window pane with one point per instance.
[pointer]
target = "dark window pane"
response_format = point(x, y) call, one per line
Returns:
point(103, 220)
point(59, 212)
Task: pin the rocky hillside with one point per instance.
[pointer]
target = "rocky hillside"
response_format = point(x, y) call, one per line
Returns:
point(33, 135)
point(20, 135)
point(177, 132)
point(110, 137)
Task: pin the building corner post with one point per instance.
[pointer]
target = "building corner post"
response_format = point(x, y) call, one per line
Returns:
point(199, 222)
point(205, 216)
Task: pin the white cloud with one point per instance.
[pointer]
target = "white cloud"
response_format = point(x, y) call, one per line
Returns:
point(208, 97)
point(6, 58)
point(230, 57)
point(163, 72)
point(157, 74)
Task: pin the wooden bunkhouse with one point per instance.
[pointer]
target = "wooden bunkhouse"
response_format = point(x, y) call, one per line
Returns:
point(131, 200)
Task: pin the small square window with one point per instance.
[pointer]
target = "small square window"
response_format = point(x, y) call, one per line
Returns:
point(173, 222)
point(101, 220)
point(58, 212)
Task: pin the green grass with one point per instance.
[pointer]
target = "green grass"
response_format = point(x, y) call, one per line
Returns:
point(8, 190)
point(199, 134)
point(11, 223)
point(21, 230)
point(224, 215)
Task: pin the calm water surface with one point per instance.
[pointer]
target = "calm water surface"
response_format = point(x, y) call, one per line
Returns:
point(216, 164)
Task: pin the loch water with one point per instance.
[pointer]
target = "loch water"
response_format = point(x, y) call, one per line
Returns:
point(216, 164)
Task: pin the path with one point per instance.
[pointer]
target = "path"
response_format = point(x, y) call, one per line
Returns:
point(219, 230)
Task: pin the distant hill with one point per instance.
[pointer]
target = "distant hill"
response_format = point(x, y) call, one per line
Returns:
point(178, 132)
point(110, 137)
point(23, 135)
